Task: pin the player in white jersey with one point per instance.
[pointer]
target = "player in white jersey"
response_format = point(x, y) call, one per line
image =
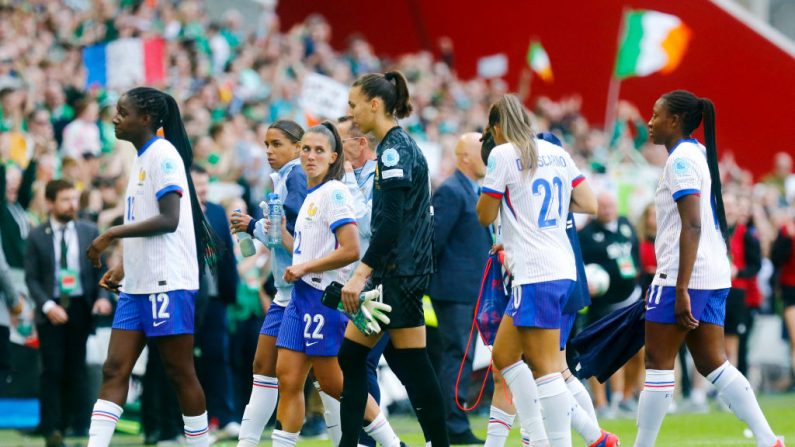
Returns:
point(282, 141)
point(532, 184)
point(325, 244)
point(687, 299)
point(165, 242)
point(583, 417)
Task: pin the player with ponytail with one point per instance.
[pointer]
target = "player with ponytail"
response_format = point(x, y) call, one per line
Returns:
point(166, 244)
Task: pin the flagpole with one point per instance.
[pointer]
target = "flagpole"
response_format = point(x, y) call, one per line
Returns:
point(613, 93)
point(614, 88)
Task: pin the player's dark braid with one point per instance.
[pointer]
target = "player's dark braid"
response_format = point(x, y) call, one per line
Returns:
point(692, 111)
point(164, 111)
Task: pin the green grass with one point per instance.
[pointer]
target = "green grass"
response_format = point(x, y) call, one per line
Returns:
point(717, 428)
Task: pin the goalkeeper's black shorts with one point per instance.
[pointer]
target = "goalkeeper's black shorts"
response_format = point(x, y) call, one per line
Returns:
point(404, 294)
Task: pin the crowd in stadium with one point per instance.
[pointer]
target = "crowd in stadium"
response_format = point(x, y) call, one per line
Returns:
point(231, 86)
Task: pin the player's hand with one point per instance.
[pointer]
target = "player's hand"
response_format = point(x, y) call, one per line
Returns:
point(99, 245)
point(239, 222)
point(111, 280)
point(684, 316)
point(294, 272)
point(350, 294)
point(57, 315)
point(496, 248)
point(102, 307)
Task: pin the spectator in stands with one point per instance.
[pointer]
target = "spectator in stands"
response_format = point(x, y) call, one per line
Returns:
point(11, 304)
point(781, 177)
point(783, 257)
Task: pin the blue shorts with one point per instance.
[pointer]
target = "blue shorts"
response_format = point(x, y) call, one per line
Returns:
point(707, 306)
point(156, 314)
point(566, 325)
point(310, 327)
point(539, 304)
point(273, 320)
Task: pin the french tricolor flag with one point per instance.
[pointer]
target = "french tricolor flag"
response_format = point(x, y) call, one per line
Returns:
point(125, 63)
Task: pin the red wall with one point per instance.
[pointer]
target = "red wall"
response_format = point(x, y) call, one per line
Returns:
point(751, 81)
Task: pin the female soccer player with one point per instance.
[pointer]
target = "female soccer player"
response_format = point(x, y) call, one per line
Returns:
point(531, 182)
point(325, 245)
point(687, 298)
point(166, 242)
point(502, 414)
point(283, 142)
point(399, 257)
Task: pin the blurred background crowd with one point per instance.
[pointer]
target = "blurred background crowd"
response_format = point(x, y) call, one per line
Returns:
point(232, 84)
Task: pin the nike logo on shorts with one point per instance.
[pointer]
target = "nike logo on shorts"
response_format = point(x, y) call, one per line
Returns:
point(159, 323)
point(311, 344)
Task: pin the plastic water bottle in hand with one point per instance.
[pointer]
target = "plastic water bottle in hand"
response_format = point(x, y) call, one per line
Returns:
point(275, 215)
point(246, 243)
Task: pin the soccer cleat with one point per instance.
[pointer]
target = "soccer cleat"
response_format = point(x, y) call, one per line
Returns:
point(779, 443)
point(606, 440)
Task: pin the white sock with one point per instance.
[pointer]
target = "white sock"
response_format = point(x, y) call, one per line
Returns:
point(525, 398)
point(499, 427)
point(197, 432)
point(382, 432)
point(735, 390)
point(555, 401)
point(264, 395)
point(581, 396)
point(282, 438)
point(656, 397)
point(103, 423)
point(582, 423)
point(331, 414)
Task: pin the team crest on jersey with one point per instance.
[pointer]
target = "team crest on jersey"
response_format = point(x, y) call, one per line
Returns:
point(681, 166)
point(168, 166)
point(338, 197)
point(626, 231)
point(390, 157)
point(141, 177)
point(311, 210)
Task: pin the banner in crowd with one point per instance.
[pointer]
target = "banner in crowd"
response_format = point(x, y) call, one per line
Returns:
point(125, 63)
point(323, 97)
point(652, 41)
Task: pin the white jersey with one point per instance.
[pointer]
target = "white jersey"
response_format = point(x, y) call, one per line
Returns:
point(166, 262)
point(533, 211)
point(327, 207)
point(685, 173)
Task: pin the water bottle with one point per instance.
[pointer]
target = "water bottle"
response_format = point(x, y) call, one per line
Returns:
point(275, 213)
point(246, 243)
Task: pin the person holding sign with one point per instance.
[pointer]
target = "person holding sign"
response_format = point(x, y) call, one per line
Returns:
point(63, 284)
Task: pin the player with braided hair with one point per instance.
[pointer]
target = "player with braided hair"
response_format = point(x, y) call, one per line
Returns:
point(166, 243)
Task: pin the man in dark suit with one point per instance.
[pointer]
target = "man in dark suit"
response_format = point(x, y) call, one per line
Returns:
point(212, 335)
point(461, 247)
point(64, 285)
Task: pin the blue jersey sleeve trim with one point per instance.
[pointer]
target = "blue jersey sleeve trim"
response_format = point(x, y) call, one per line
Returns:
point(492, 193)
point(168, 189)
point(341, 222)
point(685, 192)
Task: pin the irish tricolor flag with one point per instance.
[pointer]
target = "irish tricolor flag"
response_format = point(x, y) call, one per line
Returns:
point(125, 63)
point(653, 41)
point(538, 60)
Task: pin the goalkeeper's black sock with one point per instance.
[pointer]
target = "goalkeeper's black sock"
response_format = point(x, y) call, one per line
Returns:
point(424, 392)
point(353, 362)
